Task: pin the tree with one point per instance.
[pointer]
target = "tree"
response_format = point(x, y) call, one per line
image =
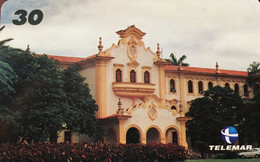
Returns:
point(39, 96)
point(202, 147)
point(250, 115)
point(249, 125)
point(211, 113)
point(7, 74)
point(80, 117)
point(175, 61)
point(45, 99)
point(253, 79)
point(7, 79)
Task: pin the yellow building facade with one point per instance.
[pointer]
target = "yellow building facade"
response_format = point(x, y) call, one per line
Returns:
point(141, 97)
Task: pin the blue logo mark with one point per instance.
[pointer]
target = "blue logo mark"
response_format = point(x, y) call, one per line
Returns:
point(229, 134)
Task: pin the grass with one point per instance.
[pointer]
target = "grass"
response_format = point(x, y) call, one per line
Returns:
point(224, 160)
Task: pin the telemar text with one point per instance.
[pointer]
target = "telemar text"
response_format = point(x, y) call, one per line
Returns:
point(229, 147)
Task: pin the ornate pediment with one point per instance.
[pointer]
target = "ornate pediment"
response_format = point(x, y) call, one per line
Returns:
point(132, 49)
point(133, 63)
point(131, 30)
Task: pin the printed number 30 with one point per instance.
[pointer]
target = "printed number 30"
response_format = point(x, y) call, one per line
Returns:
point(31, 18)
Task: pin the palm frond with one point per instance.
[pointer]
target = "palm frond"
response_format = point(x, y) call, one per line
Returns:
point(185, 64)
point(172, 59)
point(2, 28)
point(3, 42)
point(254, 76)
point(183, 57)
point(254, 67)
point(7, 75)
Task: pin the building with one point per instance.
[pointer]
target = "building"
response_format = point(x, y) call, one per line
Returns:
point(141, 97)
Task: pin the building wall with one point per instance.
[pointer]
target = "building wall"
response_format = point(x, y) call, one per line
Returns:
point(205, 79)
point(145, 106)
point(89, 73)
point(150, 111)
point(145, 59)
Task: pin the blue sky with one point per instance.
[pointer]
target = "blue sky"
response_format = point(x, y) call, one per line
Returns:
point(223, 31)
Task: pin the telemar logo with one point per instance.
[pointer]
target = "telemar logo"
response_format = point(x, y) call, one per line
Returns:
point(229, 135)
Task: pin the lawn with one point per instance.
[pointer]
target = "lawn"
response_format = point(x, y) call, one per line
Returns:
point(224, 160)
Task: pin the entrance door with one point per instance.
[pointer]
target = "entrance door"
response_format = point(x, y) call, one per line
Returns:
point(132, 136)
point(172, 136)
point(152, 136)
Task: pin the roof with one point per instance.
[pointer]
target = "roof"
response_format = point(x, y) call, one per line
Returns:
point(167, 67)
point(207, 70)
point(115, 116)
point(66, 58)
point(131, 30)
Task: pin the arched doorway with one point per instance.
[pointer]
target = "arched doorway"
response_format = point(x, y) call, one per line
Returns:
point(172, 136)
point(152, 136)
point(132, 136)
point(111, 136)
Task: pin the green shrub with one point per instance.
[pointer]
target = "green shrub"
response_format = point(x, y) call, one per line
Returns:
point(92, 152)
point(227, 155)
point(230, 155)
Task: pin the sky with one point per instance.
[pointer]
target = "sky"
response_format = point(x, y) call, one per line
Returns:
point(206, 31)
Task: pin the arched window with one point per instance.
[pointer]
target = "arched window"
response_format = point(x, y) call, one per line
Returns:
point(200, 85)
point(133, 136)
point(173, 108)
point(172, 86)
point(172, 136)
point(118, 75)
point(246, 90)
point(132, 76)
point(236, 89)
point(226, 85)
point(146, 77)
point(152, 136)
point(190, 86)
point(210, 85)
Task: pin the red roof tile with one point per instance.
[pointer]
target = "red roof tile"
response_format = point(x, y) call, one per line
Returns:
point(114, 116)
point(70, 59)
point(65, 58)
point(207, 70)
point(168, 67)
point(89, 57)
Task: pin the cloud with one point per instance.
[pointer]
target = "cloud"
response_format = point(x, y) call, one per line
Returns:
point(206, 31)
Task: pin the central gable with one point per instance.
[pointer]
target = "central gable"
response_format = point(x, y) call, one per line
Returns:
point(131, 30)
point(131, 49)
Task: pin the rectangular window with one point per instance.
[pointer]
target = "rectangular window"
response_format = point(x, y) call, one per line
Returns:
point(132, 76)
point(190, 86)
point(172, 86)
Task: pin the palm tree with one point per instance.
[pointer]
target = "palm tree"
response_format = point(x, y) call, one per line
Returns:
point(3, 42)
point(253, 79)
point(175, 61)
point(7, 74)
